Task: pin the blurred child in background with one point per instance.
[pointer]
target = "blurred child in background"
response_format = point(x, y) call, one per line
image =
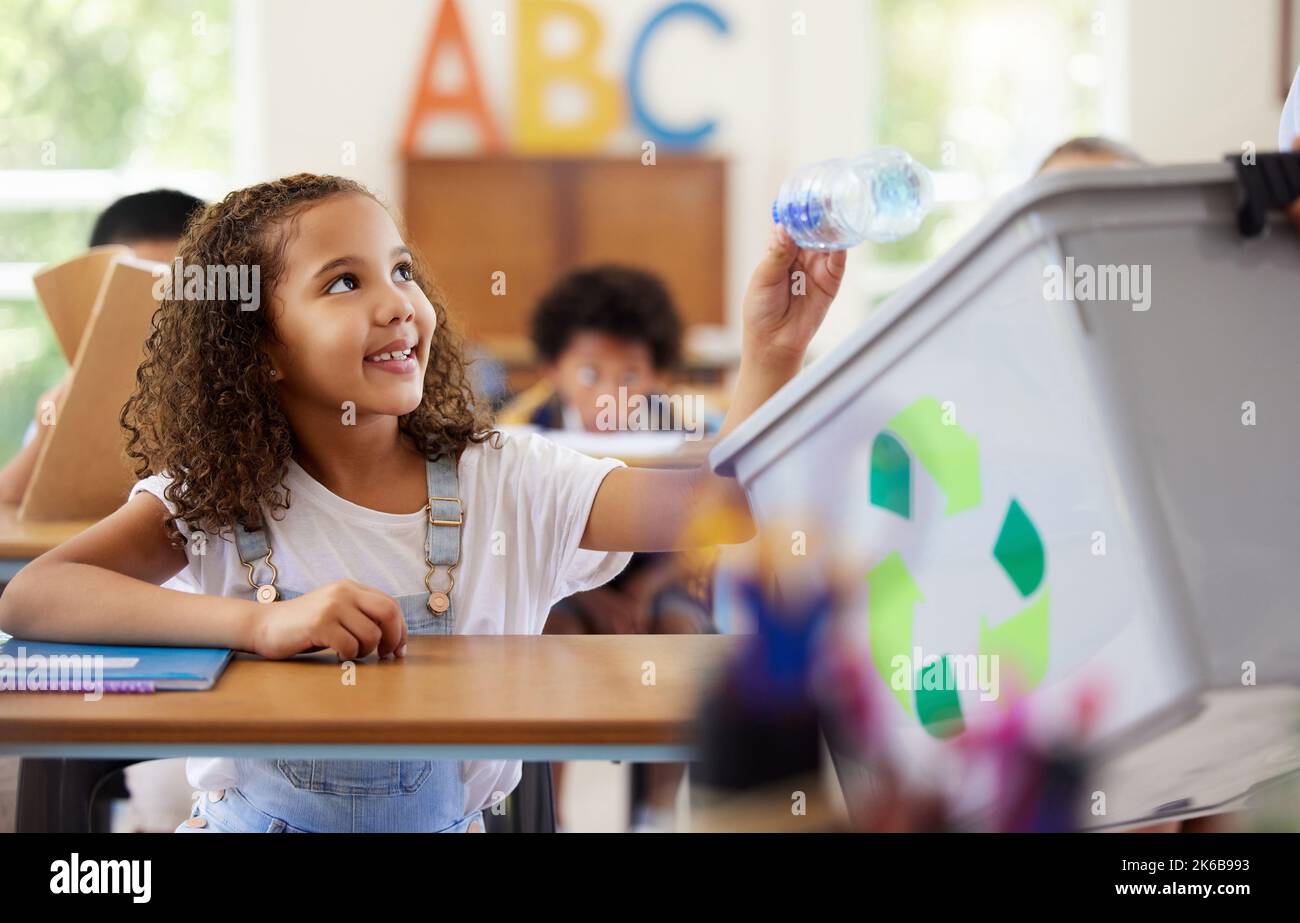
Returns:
point(598, 330)
point(151, 224)
point(1089, 153)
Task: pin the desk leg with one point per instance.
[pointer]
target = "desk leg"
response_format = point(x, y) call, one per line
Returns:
point(59, 795)
point(530, 807)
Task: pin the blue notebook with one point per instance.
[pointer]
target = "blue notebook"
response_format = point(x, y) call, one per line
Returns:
point(123, 669)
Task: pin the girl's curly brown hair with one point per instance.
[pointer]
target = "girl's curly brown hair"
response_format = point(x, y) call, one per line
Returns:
point(205, 411)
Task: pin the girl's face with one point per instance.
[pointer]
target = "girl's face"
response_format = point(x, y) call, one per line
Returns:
point(352, 323)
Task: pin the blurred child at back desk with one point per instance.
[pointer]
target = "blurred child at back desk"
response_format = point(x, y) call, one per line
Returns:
point(151, 224)
point(1089, 152)
point(597, 331)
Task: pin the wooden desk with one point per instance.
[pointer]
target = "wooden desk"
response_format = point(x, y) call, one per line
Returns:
point(552, 697)
point(21, 541)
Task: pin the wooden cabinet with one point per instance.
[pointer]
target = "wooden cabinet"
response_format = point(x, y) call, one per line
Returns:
point(535, 218)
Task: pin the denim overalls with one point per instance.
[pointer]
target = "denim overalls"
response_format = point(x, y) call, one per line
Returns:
point(353, 796)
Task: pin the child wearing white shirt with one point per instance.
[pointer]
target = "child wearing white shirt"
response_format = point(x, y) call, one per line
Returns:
point(321, 469)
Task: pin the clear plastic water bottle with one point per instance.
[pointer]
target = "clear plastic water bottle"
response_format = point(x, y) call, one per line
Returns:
point(881, 196)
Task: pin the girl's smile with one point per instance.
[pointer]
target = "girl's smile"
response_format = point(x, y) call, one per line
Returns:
point(400, 357)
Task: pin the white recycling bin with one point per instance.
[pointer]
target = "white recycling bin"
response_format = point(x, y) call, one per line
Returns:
point(1071, 447)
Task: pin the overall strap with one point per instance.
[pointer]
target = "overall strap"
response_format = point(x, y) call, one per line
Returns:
point(446, 516)
point(254, 551)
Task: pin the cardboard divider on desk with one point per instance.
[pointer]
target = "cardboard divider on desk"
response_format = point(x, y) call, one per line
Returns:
point(82, 471)
point(68, 293)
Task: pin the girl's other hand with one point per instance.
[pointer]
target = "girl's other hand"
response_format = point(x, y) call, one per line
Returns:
point(351, 619)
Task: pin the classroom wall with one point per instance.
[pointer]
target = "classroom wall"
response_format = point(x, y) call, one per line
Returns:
point(1187, 80)
point(781, 99)
point(1202, 77)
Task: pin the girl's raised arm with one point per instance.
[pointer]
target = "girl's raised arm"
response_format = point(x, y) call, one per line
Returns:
point(647, 509)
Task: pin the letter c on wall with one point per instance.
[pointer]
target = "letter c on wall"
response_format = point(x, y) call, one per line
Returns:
point(685, 137)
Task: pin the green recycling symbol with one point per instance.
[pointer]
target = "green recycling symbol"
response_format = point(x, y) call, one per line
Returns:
point(951, 457)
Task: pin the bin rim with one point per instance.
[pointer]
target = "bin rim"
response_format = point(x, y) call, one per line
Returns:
point(1008, 209)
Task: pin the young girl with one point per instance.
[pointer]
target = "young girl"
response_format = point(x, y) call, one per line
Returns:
point(321, 469)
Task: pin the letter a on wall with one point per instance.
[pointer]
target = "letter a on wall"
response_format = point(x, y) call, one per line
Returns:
point(467, 100)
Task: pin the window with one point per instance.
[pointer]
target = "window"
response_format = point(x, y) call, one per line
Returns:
point(981, 91)
point(98, 99)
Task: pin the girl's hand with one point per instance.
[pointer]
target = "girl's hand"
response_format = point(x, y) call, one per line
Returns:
point(787, 299)
point(645, 509)
point(351, 619)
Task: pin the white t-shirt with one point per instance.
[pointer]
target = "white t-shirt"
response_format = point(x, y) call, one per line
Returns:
point(536, 493)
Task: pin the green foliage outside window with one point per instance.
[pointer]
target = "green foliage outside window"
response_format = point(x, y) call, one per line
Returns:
point(102, 85)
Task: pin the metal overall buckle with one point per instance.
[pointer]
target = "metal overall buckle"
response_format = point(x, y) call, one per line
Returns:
point(264, 592)
point(440, 600)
